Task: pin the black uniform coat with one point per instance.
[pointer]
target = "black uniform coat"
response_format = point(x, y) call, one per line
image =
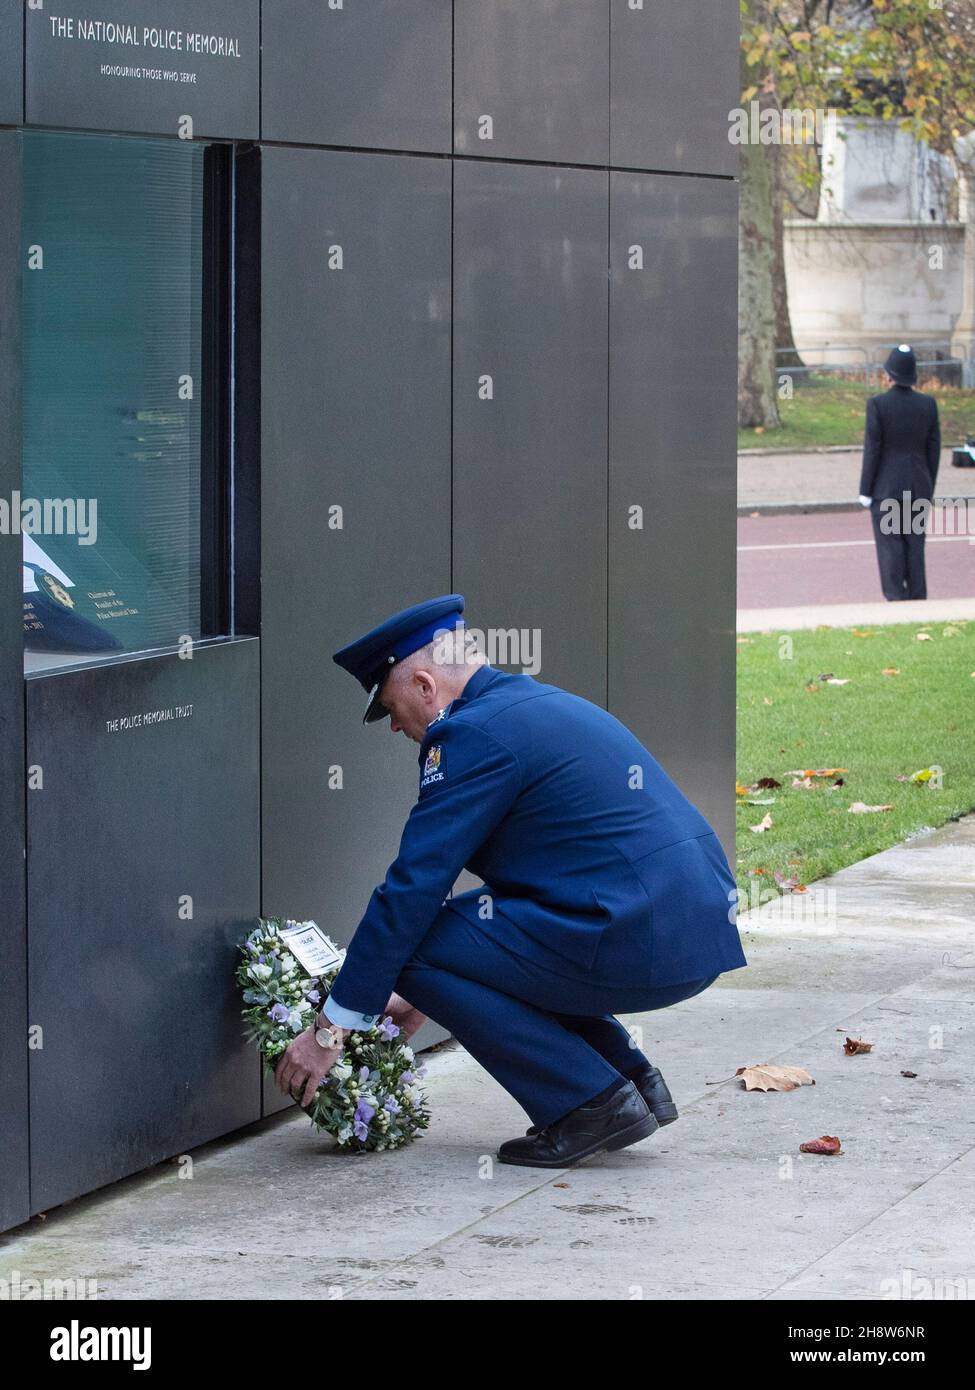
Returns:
point(901, 446)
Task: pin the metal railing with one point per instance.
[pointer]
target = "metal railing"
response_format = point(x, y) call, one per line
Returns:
point(935, 361)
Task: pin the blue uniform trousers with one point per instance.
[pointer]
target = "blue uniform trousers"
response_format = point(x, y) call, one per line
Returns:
point(543, 1028)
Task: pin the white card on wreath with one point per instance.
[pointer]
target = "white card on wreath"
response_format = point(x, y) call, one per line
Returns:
point(312, 949)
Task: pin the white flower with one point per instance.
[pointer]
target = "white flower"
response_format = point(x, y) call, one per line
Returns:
point(260, 972)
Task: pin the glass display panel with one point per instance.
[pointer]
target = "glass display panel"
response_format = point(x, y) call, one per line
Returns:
point(116, 389)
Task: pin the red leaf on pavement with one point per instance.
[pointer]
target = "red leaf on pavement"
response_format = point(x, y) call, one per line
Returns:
point(825, 1144)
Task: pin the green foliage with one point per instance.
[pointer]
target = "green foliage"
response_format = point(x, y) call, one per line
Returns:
point(904, 60)
point(829, 411)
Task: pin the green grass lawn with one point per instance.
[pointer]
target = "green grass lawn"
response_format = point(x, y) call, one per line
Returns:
point(831, 411)
point(878, 727)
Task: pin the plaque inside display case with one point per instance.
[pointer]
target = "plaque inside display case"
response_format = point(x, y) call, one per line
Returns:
point(117, 372)
point(62, 616)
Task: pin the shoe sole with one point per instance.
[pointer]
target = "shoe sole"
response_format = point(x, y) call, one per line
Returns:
point(664, 1112)
point(632, 1135)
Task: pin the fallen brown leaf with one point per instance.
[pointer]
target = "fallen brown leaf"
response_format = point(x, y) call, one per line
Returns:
point(825, 1144)
point(764, 824)
point(769, 1077)
point(816, 771)
point(860, 808)
point(890, 671)
point(853, 1046)
point(910, 1074)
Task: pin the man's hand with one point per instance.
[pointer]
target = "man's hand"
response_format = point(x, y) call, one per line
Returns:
point(305, 1064)
point(403, 1014)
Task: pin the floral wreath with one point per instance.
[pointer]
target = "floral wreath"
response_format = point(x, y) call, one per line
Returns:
point(371, 1099)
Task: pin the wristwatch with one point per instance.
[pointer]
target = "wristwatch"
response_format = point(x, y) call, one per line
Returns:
point(326, 1035)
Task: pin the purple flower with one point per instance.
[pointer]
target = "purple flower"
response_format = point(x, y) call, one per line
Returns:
point(408, 1078)
point(280, 1013)
point(360, 1124)
point(392, 1106)
point(363, 1073)
point(388, 1030)
point(313, 996)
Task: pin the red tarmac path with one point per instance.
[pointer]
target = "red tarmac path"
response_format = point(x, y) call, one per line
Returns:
point(793, 559)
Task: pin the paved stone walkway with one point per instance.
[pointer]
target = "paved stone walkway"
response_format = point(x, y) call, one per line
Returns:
point(719, 1205)
point(828, 477)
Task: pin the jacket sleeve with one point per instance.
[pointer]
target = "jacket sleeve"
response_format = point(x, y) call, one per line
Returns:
point(873, 441)
point(934, 444)
point(469, 781)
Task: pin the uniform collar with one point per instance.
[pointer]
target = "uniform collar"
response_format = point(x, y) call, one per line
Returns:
point(481, 678)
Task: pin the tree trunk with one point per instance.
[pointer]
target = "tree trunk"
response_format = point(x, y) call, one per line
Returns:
point(757, 403)
point(787, 356)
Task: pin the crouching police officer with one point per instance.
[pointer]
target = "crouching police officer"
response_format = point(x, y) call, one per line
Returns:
point(605, 892)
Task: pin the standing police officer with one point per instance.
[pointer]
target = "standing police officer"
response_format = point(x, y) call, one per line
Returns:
point(901, 452)
point(605, 891)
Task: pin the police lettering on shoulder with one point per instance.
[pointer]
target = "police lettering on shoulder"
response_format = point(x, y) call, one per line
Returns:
point(602, 893)
point(432, 766)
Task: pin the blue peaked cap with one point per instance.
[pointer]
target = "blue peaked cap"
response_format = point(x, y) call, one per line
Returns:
point(371, 657)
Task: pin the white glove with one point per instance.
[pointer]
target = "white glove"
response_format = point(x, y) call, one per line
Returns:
point(865, 501)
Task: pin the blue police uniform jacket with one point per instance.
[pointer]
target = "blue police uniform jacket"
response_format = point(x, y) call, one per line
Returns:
point(589, 852)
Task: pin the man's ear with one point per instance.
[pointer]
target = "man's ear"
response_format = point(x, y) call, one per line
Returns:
point(426, 682)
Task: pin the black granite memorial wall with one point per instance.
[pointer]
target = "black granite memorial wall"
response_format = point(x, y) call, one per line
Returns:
point(458, 296)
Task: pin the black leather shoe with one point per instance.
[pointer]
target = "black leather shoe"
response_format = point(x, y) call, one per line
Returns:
point(653, 1089)
point(622, 1120)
